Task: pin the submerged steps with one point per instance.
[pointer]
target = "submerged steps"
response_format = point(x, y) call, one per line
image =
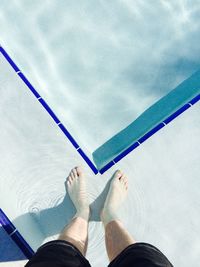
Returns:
point(149, 122)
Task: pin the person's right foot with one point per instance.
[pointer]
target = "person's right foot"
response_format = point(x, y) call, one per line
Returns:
point(116, 195)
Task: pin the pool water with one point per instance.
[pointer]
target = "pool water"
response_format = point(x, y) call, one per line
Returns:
point(99, 66)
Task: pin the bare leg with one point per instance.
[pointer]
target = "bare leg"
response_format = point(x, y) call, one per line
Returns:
point(117, 237)
point(77, 234)
point(77, 231)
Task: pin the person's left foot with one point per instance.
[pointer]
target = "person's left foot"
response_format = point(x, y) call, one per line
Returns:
point(76, 187)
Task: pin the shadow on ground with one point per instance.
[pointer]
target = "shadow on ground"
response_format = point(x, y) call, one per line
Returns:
point(49, 222)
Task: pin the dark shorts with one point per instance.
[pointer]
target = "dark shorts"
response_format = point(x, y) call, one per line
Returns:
point(60, 253)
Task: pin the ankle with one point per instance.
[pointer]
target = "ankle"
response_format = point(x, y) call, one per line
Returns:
point(108, 215)
point(83, 212)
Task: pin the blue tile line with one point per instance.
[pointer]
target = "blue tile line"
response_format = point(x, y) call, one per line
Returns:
point(26, 81)
point(195, 100)
point(68, 135)
point(49, 110)
point(22, 244)
point(15, 235)
point(6, 224)
point(107, 166)
point(9, 59)
point(150, 133)
point(126, 152)
point(89, 162)
point(177, 113)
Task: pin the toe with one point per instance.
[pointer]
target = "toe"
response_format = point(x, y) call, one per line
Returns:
point(118, 174)
point(79, 170)
point(126, 182)
point(74, 173)
point(67, 183)
point(122, 175)
point(125, 179)
point(70, 179)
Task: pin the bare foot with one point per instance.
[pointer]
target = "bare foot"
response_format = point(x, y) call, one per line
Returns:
point(76, 187)
point(116, 195)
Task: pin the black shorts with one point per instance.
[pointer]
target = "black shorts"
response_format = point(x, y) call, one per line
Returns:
point(61, 253)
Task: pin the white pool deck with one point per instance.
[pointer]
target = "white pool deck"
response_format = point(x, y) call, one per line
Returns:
point(36, 157)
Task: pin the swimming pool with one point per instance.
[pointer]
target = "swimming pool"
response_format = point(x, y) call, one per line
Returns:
point(95, 93)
